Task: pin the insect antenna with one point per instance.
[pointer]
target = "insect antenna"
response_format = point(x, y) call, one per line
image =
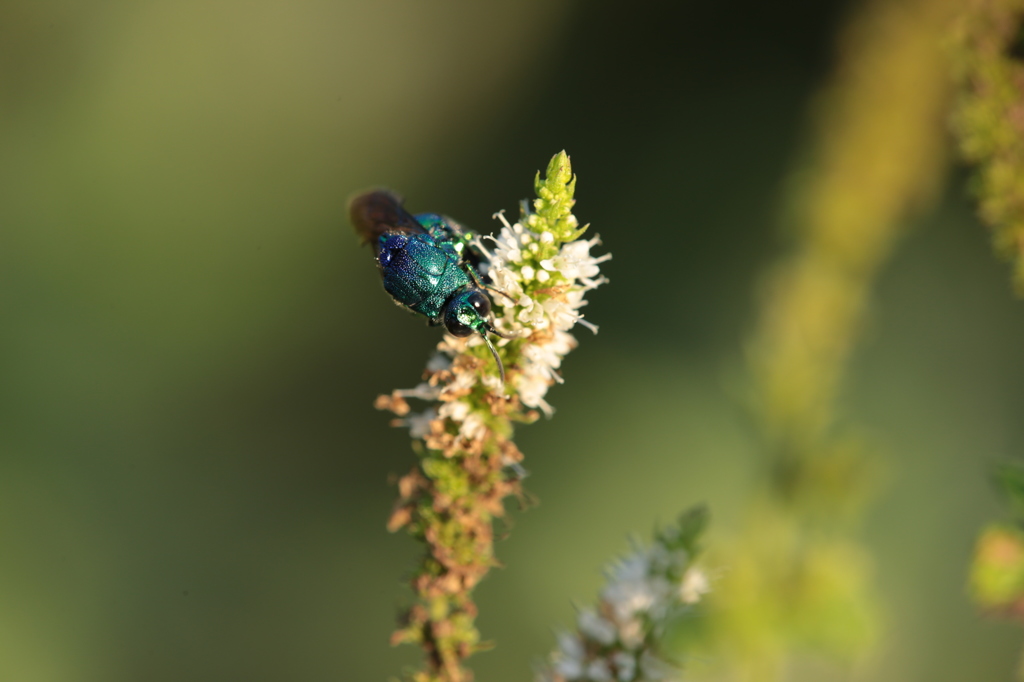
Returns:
point(497, 359)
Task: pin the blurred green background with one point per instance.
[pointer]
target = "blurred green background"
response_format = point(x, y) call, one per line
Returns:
point(193, 481)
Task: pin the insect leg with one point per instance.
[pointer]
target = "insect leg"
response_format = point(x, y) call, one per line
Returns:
point(480, 285)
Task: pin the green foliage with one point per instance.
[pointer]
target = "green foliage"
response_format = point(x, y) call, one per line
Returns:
point(687, 532)
point(554, 202)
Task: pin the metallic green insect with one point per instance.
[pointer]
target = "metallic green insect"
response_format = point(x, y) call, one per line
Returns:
point(428, 265)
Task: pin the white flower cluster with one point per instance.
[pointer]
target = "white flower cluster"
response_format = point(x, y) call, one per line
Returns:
point(516, 267)
point(616, 641)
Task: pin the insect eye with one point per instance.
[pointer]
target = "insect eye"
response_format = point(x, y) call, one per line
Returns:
point(480, 303)
point(466, 312)
point(458, 316)
point(456, 328)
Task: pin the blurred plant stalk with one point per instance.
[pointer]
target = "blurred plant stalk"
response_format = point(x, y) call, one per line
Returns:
point(987, 50)
point(796, 580)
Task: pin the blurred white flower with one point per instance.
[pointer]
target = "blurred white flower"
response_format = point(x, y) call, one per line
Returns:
point(423, 391)
point(473, 427)
point(617, 640)
point(631, 633)
point(595, 627)
point(695, 585)
point(625, 664)
point(456, 410)
point(568, 663)
point(419, 424)
point(599, 671)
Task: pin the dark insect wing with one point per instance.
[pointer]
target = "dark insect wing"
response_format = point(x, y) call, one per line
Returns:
point(378, 211)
